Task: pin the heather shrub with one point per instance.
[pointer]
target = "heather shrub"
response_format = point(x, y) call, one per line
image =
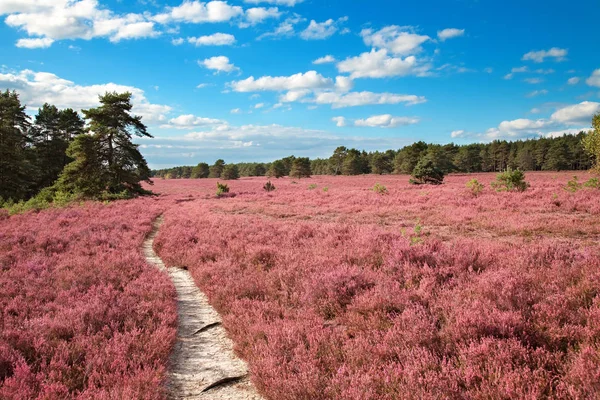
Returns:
point(475, 187)
point(269, 187)
point(222, 189)
point(510, 181)
point(427, 172)
point(380, 189)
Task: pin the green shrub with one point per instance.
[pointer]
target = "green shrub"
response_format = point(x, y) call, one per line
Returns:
point(312, 186)
point(573, 185)
point(379, 188)
point(269, 187)
point(510, 181)
point(593, 183)
point(222, 189)
point(326, 189)
point(426, 171)
point(475, 187)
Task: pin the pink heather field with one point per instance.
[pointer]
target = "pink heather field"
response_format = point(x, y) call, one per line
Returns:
point(328, 289)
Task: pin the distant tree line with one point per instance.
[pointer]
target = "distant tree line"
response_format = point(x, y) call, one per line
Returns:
point(566, 152)
point(59, 154)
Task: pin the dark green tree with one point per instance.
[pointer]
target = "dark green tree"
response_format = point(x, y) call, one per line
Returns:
point(86, 175)
point(217, 169)
point(426, 171)
point(202, 170)
point(113, 127)
point(336, 161)
point(15, 167)
point(301, 168)
point(381, 164)
point(230, 172)
point(276, 169)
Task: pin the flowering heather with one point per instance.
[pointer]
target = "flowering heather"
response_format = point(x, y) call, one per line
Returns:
point(423, 292)
point(83, 315)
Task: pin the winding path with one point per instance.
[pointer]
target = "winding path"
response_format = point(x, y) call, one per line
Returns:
point(202, 365)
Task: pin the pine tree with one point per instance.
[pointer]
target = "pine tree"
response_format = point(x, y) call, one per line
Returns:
point(217, 169)
point(15, 168)
point(276, 169)
point(301, 168)
point(591, 142)
point(86, 175)
point(202, 170)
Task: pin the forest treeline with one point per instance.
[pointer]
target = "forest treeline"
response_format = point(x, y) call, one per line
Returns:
point(60, 155)
point(566, 152)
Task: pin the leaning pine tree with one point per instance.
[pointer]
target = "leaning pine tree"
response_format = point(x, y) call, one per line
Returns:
point(106, 162)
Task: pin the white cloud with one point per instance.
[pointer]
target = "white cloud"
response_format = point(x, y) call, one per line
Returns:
point(396, 39)
point(236, 111)
point(343, 83)
point(289, 3)
point(285, 29)
point(457, 134)
point(199, 12)
point(386, 121)
point(533, 81)
point(573, 81)
point(325, 60)
point(537, 93)
point(294, 95)
point(259, 105)
point(259, 14)
point(191, 121)
point(540, 55)
point(322, 30)
point(219, 64)
point(353, 99)
point(535, 111)
point(488, 70)
point(308, 80)
point(37, 88)
point(576, 113)
point(72, 19)
point(216, 39)
point(35, 43)
point(594, 79)
point(378, 64)
point(450, 33)
point(177, 41)
point(340, 122)
point(544, 71)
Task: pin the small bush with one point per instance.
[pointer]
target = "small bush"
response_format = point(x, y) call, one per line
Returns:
point(222, 189)
point(312, 186)
point(426, 171)
point(269, 187)
point(593, 183)
point(510, 181)
point(326, 189)
point(475, 187)
point(573, 185)
point(379, 188)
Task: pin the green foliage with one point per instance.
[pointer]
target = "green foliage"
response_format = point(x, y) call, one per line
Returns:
point(475, 187)
point(217, 169)
point(312, 186)
point(593, 183)
point(591, 142)
point(573, 185)
point(510, 181)
point(276, 169)
point(427, 172)
point(230, 172)
point(380, 189)
point(300, 168)
point(325, 189)
point(200, 171)
point(269, 187)
point(222, 189)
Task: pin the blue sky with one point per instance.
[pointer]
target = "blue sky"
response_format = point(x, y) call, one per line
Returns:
point(256, 80)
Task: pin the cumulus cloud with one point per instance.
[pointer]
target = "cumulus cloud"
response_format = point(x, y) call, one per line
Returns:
point(379, 64)
point(539, 56)
point(576, 113)
point(398, 40)
point(200, 12)
point(37, 88)
point(594, 79)
point(386, 121)
point(353, 99)
point(289, 3)
point(258, 15)
point(343, 83)
point(340, 122)
point(36, 43)
point(573, 81)
point(450, 33)
point(537, 93)
point(308, 80)
point(216, 39)
point(322, 30)
point(219, 64)
point(191, 121)
point(325, 60)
